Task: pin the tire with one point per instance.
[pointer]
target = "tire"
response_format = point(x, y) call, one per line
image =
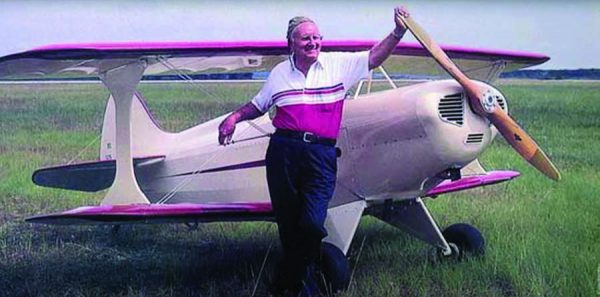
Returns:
point(335, 269)
point(467, 238)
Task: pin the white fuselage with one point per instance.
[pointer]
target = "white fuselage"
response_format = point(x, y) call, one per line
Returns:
point(393, 145)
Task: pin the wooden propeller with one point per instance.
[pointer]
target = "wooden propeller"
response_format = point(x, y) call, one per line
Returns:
point(512, 132)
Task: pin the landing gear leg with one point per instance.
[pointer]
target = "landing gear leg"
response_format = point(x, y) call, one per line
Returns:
point(464, 240)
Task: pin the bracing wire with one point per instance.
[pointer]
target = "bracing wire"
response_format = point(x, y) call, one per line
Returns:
point(262, 267)
point(167, 196)
point(84, 149)
point(185, 77)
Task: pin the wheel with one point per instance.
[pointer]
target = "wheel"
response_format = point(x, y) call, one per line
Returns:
point(467, 239)
point(335, 269)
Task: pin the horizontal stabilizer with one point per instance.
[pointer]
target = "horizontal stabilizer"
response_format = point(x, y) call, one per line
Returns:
point(159, 213)
point(88, 176)
point(473, 181)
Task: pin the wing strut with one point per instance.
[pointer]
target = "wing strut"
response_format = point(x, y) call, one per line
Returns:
point(122, 81)
point(387, 77)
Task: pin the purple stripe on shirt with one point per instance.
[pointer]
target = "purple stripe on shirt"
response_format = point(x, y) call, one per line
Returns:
point(323, 91)
point(322, 88)
point(308, 91)
point(284, 92)
point(287, 94)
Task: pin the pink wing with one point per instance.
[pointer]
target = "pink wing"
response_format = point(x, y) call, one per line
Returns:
point(187, 212)
point(159, 213)
point(474, 181)
point(254, 56)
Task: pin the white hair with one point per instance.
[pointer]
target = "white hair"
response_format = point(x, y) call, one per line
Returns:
point(293, 24)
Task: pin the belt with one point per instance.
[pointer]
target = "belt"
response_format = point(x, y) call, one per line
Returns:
point(305, 136)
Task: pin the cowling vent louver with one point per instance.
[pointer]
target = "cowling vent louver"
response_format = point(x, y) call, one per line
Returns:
point(474, 138)
point(451, 109)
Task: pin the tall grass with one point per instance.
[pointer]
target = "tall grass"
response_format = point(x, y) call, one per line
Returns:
point(543, 237)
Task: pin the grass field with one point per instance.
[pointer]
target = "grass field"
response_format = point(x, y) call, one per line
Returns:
point(543, 237)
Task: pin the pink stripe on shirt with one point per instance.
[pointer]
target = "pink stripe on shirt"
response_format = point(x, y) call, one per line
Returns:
point(320, 119)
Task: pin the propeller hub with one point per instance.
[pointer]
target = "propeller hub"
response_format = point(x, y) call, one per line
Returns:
point(489, 100)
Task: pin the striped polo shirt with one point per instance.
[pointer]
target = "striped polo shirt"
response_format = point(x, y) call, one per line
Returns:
point(313, 103)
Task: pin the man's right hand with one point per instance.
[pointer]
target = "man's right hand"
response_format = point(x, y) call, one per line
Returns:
point(226, 129)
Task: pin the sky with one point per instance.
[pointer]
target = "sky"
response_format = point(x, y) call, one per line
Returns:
point(567, 31)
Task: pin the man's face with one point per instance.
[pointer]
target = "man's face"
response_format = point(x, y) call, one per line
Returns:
point(306, 41)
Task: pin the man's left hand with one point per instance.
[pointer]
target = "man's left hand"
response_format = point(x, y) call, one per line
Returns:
point(400, 11)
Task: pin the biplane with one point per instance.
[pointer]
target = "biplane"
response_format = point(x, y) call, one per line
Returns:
point(396, 147)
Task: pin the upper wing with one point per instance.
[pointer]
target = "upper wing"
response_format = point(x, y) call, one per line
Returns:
point(64, 60)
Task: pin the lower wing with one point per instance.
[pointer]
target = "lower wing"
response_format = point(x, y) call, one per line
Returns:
point(472, 181)
point(159, 213)
point(219, 212)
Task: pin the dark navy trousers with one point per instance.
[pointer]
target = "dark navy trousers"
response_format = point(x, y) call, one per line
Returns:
point(301, 178)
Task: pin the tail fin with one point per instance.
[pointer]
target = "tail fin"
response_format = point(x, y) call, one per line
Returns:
point(147, 138)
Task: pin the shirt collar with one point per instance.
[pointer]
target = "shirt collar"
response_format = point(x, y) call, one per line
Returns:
point(318, 63)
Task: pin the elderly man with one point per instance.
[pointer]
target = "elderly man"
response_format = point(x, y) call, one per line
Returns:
point(308, 91)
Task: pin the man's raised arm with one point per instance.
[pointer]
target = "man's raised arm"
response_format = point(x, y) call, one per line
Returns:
point(384, 48)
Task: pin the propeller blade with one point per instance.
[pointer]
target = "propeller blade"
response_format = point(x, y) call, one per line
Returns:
point(473, 91)
point(523, 143)
point(434, 49)
point(512, 132)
